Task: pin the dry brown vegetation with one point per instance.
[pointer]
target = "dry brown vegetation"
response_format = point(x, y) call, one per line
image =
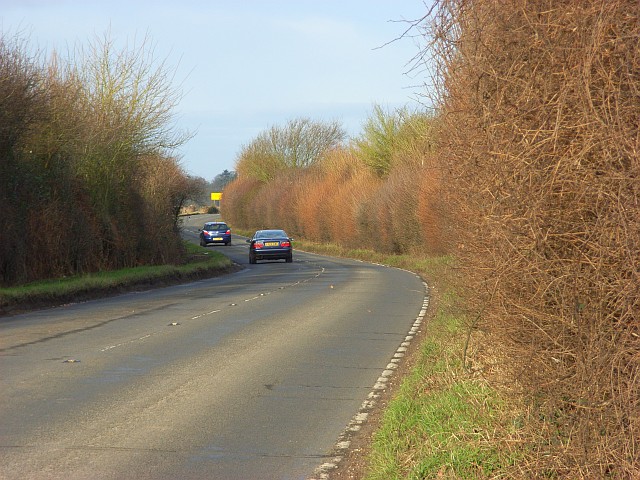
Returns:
point(87, 179)
point(534, 188)
point(358, 195)
point(340, 201)
point(541, 105)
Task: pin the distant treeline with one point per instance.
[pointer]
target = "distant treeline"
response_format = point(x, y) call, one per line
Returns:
point(376, 192)
point(87, 176)
point(528, 176)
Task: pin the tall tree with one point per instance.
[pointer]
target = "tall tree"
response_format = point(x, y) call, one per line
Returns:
point(393, 138)
point(222, 180)
point(299, 144)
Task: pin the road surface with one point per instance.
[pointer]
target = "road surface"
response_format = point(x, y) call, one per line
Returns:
point(254, 375)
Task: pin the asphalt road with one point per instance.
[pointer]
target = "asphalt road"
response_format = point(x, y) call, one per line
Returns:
point(254, 375)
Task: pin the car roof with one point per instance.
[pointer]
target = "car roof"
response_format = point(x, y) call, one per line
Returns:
point(279, 233)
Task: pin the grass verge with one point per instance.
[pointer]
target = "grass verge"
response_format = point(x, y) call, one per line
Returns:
point(199, 263)
point(444, 422)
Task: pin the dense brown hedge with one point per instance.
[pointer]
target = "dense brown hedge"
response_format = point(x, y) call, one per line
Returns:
point(85, 180)
point(340, 201)
point(540, 102)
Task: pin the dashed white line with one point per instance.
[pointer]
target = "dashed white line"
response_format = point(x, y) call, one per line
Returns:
point(205, 314)
point(124, 343)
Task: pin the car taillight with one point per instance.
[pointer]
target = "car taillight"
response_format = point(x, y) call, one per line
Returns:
point(228, 232)
point(258, 245)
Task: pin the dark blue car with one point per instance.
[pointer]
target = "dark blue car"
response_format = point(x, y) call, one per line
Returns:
point(270, 245)
point(215, 232)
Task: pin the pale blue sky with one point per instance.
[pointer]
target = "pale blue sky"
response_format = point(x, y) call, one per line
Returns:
point(246, 65)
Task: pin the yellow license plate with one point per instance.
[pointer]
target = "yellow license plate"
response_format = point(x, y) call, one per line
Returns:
point(218, 239)
point(271, 244)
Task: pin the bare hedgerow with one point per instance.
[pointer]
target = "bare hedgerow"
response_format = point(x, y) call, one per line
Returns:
point(75, 134)
point(21, 102)
point(309, 205)
point(430, 208)
point(540, 105)
point(39, 191)
point(343, 182)
point(237, 198)
point(344, 204)
point(164, 188)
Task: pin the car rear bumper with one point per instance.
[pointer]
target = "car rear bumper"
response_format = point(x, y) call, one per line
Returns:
point(272, 254)
point(217, 239)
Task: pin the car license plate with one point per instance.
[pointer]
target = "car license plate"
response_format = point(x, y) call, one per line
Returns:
point(271, 244)
point(218, 238)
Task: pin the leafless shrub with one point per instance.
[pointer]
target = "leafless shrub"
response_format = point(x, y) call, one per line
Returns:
point(237, 197)
point(341, 199)
point(327, 203)
point(540, 103)
point(72, 142)
point(20, 103)
point(164, 188)
point(430, 209)
point(299, 144)
point(343, 205)
point(273, 206)
point(310, 205)
point(399, 227)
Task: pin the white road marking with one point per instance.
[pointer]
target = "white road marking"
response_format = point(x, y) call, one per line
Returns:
point(343, 443)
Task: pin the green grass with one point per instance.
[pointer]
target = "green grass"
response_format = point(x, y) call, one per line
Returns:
point(198, 262)
point(442, 421)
